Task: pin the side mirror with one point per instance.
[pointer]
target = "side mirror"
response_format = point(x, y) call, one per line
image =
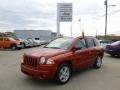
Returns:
point(76, 48)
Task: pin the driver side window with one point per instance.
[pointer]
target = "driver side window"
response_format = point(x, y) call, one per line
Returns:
point(80, 44)
point(6, 39)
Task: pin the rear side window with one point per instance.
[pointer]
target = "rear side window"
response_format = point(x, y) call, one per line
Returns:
point(6, 39)
point(37, 38)
point(90, 42)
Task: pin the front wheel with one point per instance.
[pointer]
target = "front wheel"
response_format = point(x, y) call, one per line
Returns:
point(23, 45)
point(13, 47)
point(98, 62)
point(63, 74)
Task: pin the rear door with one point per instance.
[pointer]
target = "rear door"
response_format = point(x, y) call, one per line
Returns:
point(92, 50)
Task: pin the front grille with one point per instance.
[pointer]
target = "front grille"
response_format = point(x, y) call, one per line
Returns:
point(108, 47)
point(31, 61)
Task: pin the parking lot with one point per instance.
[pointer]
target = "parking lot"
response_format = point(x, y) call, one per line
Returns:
point(11, 78)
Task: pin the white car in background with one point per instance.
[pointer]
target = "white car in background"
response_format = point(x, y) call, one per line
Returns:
point(105, 42)
point(26, 43)
point(36, 42)
point(31, 42)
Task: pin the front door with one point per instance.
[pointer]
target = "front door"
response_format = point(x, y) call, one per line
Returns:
point(81, 54)
point(6, 43)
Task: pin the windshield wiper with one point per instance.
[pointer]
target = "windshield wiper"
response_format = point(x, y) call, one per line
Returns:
point(53, 47)
point(46, 47)
point(56, 47)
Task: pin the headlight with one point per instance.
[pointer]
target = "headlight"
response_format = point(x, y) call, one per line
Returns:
point(18, 43)
point(50, 61)
point(42, 60)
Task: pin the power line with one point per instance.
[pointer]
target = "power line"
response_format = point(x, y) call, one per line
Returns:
point(101, 16)
point(115, 11)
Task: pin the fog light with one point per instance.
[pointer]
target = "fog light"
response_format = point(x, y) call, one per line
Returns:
point(50, 61)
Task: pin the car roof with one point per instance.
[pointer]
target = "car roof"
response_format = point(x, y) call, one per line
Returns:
point(85, 37)
point(80, 37)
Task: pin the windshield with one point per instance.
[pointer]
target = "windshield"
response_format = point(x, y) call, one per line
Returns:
point(61, 43)
point(12, 39)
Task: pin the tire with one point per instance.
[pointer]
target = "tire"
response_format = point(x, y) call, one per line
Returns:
point(23, 45)
point(98, 62)
point(63, 74)
point(112, 55)
point(13, 47)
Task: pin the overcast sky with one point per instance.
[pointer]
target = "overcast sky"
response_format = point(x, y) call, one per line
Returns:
point(41, 15)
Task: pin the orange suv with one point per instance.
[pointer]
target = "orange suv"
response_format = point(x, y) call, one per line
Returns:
point(8, 42)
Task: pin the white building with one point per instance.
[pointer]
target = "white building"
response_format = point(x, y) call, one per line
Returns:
point(46, 35)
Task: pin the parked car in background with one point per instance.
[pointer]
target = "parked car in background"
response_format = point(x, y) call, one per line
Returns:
point(36, 42)
point(9, 42)
point(113, 49)
point(26, 43)
point(61, 57)
point(21, 41)
point(40, 41)
point(31, 42)
point(105, 42)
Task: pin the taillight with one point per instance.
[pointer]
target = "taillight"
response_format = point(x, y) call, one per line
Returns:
point(113, 46)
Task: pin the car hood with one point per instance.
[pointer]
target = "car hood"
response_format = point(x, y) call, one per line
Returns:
point(46, 52)
point(16, 41)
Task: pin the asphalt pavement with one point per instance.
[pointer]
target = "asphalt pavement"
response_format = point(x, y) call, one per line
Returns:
point(11, 78)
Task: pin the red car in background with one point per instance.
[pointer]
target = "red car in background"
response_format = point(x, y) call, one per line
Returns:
point(61, 57)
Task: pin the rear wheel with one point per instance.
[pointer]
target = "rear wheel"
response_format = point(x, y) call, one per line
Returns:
point(13, 47)
point(98, 62)
point(23, 45)
point(112, 55)
point(63, 74)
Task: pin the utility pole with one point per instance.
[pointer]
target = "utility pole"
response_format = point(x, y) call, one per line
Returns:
point(58, 21)
point(71, 30)
point(106, 6)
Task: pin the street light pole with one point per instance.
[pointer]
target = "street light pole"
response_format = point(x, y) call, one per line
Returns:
point(106, 5)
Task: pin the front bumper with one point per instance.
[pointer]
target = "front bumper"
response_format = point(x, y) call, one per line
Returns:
point(19, 46)
point(115, 52)
point(109, 51)
point(42, 72)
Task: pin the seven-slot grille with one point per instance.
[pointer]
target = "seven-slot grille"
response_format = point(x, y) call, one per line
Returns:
point(31, 61)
